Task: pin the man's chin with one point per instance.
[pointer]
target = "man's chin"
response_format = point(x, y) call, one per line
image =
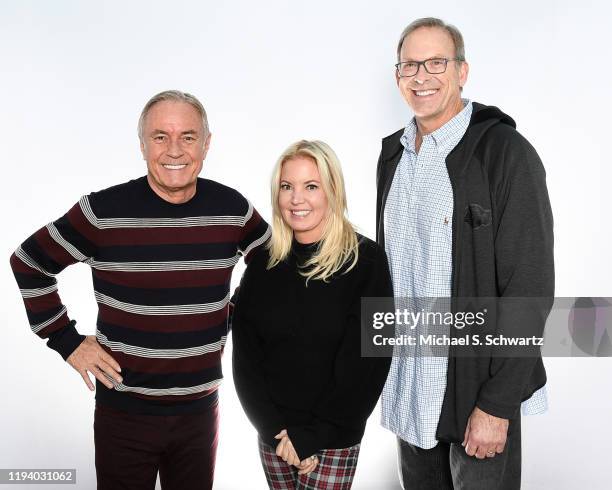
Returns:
point(176, 185)
point(426, 113)
point(179, 186)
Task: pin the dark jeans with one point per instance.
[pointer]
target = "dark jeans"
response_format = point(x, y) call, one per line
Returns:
point(448, 467)
point(131, 449)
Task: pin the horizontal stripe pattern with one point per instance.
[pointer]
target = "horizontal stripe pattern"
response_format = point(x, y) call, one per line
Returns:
point(191, 309)
point(160, 353)
point(159, 295)
point(155, 366)
point(161, 280)
point(169, 398)
point(30, 262)
point(47, 252)
point(159, 323)
point(191, 390)
point(187, 222)
point(134, 237)
point(38, 327)
point(259, 241)
point(169, 339)
point(71, 249)
point(170, 252)
point(164, 266)
point(36, 292)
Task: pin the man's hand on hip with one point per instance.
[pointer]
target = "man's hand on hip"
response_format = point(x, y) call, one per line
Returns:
point(89, 356)
point(485, 435)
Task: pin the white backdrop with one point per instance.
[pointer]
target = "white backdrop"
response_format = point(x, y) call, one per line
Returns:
point(76, 74)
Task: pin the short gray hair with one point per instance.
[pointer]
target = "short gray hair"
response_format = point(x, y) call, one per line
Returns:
point(174, 96)
point(454, 33)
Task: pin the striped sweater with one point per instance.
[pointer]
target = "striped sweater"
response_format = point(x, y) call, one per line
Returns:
point(161, 275)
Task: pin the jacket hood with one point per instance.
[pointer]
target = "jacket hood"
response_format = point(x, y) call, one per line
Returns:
point(484, 118)
point(489, 114)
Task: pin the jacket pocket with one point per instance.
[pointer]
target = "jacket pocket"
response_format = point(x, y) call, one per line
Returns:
point(477, 216)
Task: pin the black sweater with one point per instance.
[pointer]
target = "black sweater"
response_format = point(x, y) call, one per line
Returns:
point(297, 349)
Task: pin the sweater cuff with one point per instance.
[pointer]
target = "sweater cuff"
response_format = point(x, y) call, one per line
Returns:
point(267, 435)
point(66, 340)
point(304, 441)
point(310, 439)
point(498, 410)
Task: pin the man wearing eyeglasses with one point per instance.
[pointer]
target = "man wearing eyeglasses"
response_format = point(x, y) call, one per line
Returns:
point(463, 211)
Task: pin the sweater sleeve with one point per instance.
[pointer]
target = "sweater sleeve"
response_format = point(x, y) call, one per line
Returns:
point(35, 264)
point(525, 269)
point(358, 381)
point(254, 233)
point(247, 356)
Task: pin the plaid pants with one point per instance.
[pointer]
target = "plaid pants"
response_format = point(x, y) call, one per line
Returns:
point(335, 471)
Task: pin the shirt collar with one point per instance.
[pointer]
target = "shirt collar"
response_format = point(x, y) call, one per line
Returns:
point(446, 135)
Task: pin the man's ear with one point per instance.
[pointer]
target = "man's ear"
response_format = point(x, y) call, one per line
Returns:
point(207, 144)
point(463, 73)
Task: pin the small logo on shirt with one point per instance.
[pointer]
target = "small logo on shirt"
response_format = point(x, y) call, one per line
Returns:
point(446, 220)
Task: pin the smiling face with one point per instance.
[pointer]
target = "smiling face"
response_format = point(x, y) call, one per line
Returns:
point(302, 200)
point(174, 146)
point(434, 99)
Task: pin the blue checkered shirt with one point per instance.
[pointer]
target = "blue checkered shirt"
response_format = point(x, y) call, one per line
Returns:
point(418, 240)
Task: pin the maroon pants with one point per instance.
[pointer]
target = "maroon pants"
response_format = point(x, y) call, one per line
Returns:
point(131, 449)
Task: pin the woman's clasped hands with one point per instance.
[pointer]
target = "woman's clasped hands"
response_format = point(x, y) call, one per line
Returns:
point(286, 451)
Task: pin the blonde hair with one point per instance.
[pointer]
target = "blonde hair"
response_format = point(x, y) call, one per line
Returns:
point(338, 245)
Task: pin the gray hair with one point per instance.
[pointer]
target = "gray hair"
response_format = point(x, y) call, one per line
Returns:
point(454, 33)
point(174, 96)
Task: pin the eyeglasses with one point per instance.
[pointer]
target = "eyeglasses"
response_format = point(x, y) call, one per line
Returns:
point(433, 66)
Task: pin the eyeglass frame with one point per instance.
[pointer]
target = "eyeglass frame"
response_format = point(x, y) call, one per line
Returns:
point(422, 63)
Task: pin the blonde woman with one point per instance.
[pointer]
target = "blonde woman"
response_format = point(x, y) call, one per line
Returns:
point(297, 362)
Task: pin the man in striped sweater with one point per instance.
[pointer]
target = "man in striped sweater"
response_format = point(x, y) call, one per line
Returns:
point(161, 249)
